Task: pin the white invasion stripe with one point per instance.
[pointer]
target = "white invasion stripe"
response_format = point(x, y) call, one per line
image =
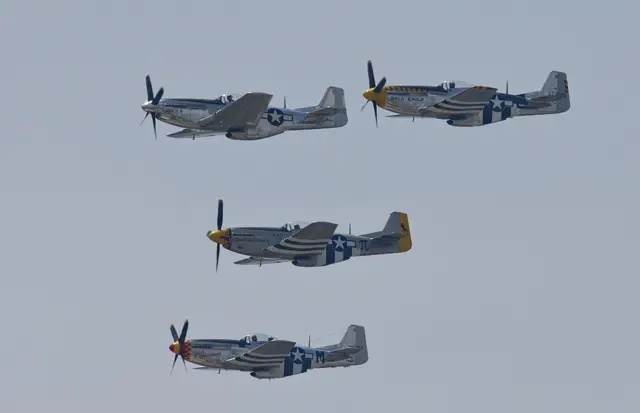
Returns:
point(318, 244)
point(296, 252)
point(453, 112)
point(306, 241)
point(466, 103)
point(449, 105)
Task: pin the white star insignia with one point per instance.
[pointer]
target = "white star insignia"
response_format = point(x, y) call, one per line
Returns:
point(297, 355)
point(339, 243)
point(275, 115)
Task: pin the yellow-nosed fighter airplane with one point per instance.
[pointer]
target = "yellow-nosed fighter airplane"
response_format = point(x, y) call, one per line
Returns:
point(462, 104)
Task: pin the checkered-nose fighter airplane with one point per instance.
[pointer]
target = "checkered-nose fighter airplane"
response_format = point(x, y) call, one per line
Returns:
point(240, 116)
point(463, 104)
point(266, 357)
point(311, 245)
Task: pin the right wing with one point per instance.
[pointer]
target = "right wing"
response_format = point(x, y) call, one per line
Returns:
point(270, 354)
point(310, 240)
point(259, 261)
point(244, 112)
point(467, 102)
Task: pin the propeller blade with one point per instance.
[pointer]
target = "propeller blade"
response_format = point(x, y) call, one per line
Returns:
point(220, 208)
point(372, 79)
point(174, 333)
point(153, 118)
point(217, 255)
point(174, 364)
point(149, 89)
point(158, 96)
point(375, 112)
point(364, 106)
point(145, 118)
point(380, 85)
point(183, 333)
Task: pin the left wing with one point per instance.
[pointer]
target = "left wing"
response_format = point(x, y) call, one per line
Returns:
point(192, 133)
point(320, 115)
point(310, 240)
point(244, 112)
point(467, 102)
point(270, 354)
point(260, 260)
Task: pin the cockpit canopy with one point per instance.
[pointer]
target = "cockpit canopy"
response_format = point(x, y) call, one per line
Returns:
point(452, 84)
point(255, 337)
point(228, 98)
point(294, 225)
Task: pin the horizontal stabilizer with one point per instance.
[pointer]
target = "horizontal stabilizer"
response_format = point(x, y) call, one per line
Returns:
point(320, 115)
point(341, 354)
point(270, 354)
point(310, 240)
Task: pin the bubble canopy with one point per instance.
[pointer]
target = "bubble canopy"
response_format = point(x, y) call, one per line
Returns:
point(254, 337)
point(228, 97)
point(451, 84)
point(294, 225)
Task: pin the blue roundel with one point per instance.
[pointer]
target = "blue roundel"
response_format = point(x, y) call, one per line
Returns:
point(275, 116)
point(297, 355)
point(339, 242)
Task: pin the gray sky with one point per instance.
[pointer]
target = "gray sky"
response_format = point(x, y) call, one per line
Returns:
point(519, 295)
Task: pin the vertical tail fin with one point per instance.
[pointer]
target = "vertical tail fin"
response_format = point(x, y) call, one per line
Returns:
point(398, 225)
point(333, 98)
point(557, 87)
point(356, 337)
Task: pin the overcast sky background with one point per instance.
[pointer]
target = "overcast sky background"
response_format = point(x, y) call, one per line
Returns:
point(520, 292)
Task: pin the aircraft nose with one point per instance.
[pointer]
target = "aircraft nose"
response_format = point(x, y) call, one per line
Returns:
point(369, 94)
point(174, 347)
point(220, 236)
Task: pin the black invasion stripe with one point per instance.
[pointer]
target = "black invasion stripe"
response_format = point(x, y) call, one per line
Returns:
point(286, 248)
point(438, 106)
point(306, 243)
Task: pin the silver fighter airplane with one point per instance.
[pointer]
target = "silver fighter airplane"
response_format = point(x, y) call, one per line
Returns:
point(245, 116)
point(312, 245)
point(462, 104)
point(266, 357)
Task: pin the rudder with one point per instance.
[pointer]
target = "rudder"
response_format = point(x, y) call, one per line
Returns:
point(398, 224)
point(557, 86)
point(356, 337)
point(333, 98)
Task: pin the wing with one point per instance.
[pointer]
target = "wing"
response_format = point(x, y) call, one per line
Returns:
point(270, 354)
point(310, 240)
point(259, 261)
point(319, 115)
point(244, 112)
point(470, 101)
point(192, 133)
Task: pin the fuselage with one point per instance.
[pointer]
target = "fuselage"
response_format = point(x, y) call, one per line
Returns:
point(408, 100)
point(253, 241)
point(186, 112)
point(212, 353)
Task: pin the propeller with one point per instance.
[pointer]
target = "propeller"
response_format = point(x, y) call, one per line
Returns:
point(220, 213)
point(376, 89)
point(180, 341)
point(152, 100)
